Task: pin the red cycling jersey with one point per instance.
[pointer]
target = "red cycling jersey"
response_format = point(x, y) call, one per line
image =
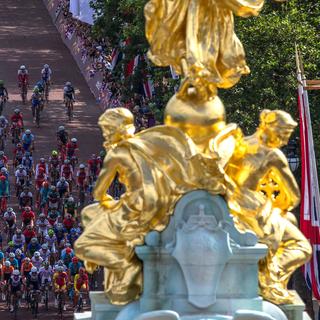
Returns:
point(23, 78)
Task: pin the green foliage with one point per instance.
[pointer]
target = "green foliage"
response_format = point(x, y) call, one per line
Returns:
point(269, 42)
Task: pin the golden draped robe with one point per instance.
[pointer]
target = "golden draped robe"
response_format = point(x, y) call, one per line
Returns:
point(202, 33)
point(156, 168)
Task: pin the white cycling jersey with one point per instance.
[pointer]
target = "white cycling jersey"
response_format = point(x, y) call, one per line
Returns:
point(45, 274)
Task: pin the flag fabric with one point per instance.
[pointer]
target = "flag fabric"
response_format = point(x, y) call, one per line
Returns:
point(132, 65)
point(116, 57)
point(310, 197)
point(148, 87)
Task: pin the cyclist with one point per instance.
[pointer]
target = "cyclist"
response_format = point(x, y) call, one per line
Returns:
point(21, 177)
point(4, 124)
point(17, 119)
point(18, 239)
point(67, 173)
point(60, 282)
point(4, 172)
point(62, 138)
point(73, 268)
point(46, 74)
point(44, 192)
point(43, 225)
point(4, 192)
point(13, 261)
point(37, 260)
point(23, 76)
point(53, 216)
point(82, 177)
point(70, 207)
point(15, 287)
point(3, 92)
point(45, 252)
point(40, 85)
point(67, 254)
point(42, 164)
point(28, 140)
point(45, 274)
point(51, 240)
point(29, 233)
point(10, 219)
point(27, 162)
point(20, 257)
point(10, 248)
point(18, 153)
point(41, 177)
point(53, 198)
point(68, 222)
point(69, 92)
point(33, 281)
point(26, 198)
point(94, 166)
point(3, 160)
point(54, 160)
point(28, 217)
point(63, 185)
point(71, 148)
point(60, 232)
point(73, 235)
point(81, 283)
point(26, 267)
point(33, 247)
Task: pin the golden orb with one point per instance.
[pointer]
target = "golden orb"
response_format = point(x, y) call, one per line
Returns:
point(200, 120)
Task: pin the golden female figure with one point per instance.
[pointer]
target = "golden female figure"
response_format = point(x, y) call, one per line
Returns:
point(197, 38)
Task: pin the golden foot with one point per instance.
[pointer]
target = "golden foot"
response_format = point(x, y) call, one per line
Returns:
point(278, 295)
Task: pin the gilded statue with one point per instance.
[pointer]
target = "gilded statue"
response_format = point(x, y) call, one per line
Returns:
point(197, 38)
point(157, 166)
point(265, 192)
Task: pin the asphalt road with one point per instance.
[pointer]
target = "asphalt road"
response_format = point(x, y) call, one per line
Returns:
point(28, 36)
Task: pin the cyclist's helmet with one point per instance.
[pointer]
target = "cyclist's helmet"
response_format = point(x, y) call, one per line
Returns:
point(82, 270)
point(59, 226)
point(60, 268)
point(42, 216)
point(70, 199)
point(46, 264)
point(53, 188)
point(44, 246)
point(61, 128)
point(36, 89)
point(11, 255)
point(82, 166)
point(34, 270)
point(68, 84)
point(42, 160)
point(46, 66)
point(16, 273)
point(10, 244)
point(45, 184)
point(34, 241)
point(67, 161)
point(7, 264)
point(18, 231)
point(4, 170)
point(2, 118)
point(18, 252)
point(27, 260)
point(28, 131)
point(17, 111)
point(21, 167)
point(27, 208)
point(36, 254)
point(1, 153)
point(22, 67)
point(10, 210)
point(62, 179)
point(60, 263)
point(28, 154)
point(74, 140)
point(50, 232)
point(93, 156)
point(75, 259)
point(54, 153)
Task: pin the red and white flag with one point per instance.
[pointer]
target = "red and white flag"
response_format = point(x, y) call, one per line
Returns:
point(132, 65)
point(310, 196)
